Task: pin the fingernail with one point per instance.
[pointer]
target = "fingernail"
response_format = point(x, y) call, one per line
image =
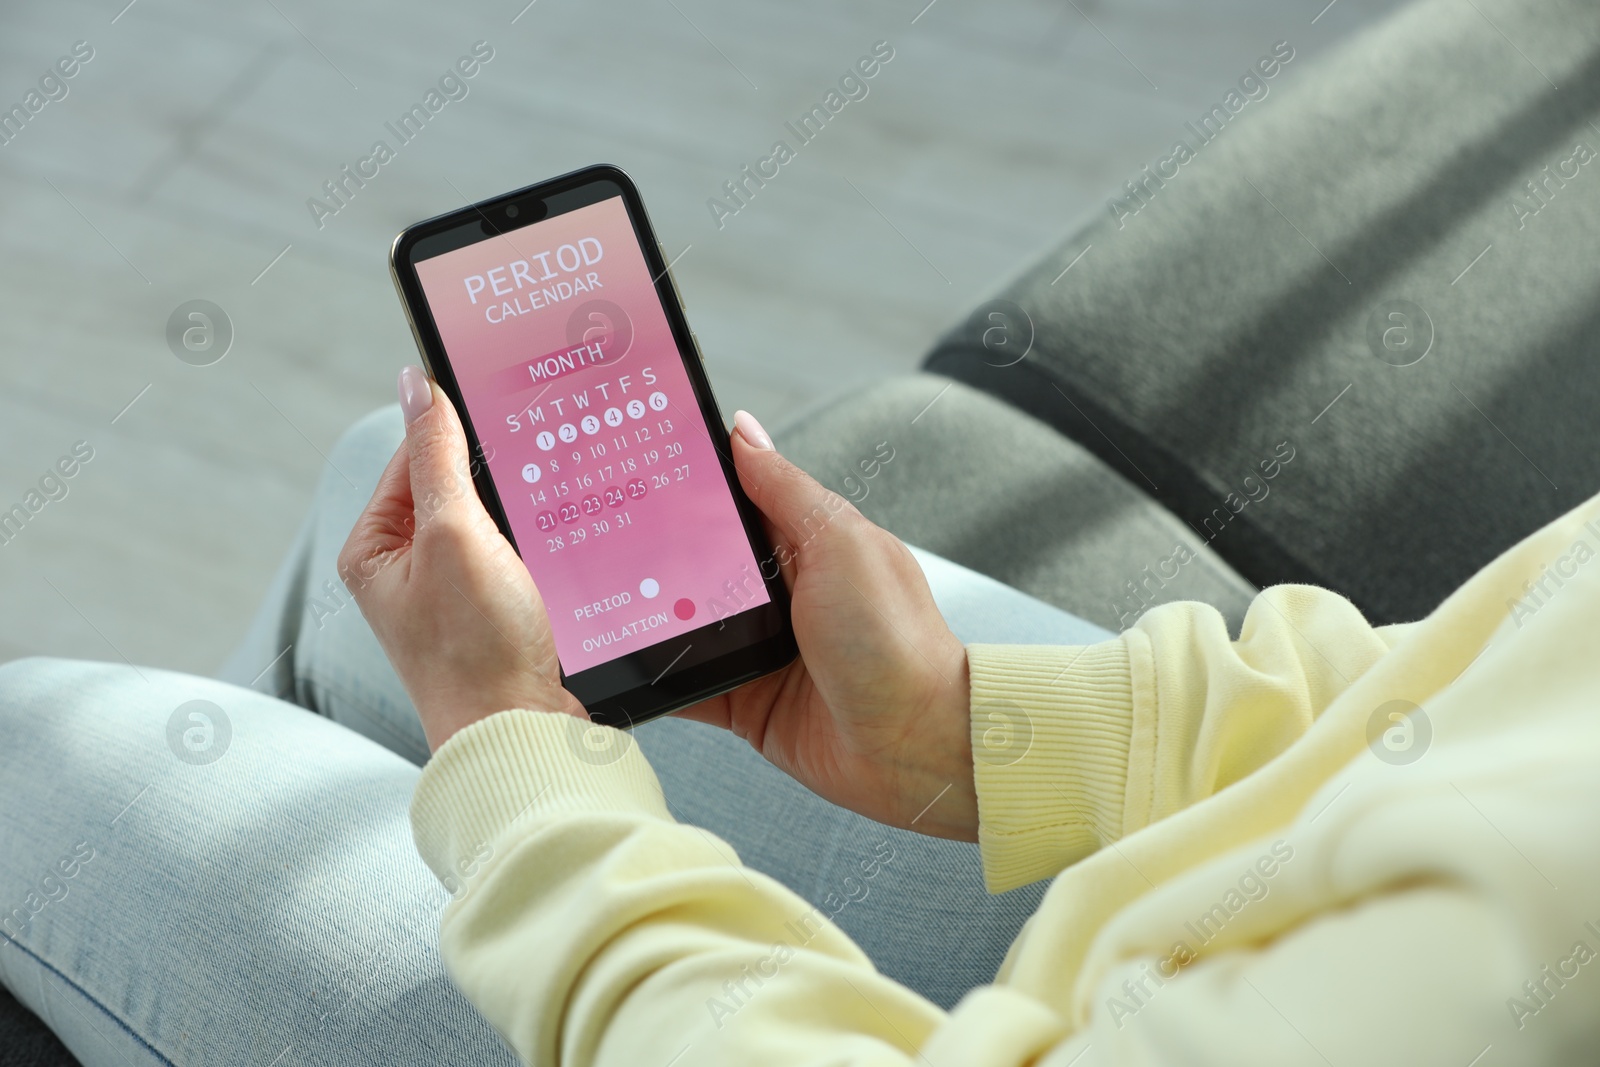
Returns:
point(751, 430)
point(416, 396)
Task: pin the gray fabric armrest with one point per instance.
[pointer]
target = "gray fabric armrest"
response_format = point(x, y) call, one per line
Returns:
point(980, 483)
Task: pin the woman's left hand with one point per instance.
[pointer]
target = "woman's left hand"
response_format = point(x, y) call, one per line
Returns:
point(447, 596)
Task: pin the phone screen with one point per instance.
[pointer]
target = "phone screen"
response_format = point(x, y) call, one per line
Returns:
point(592, 433)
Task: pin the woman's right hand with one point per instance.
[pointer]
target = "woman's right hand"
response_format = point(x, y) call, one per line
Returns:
point(874, 714)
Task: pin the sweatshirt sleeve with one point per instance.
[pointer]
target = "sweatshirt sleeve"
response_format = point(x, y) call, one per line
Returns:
point(1075, 747)
point(590, 928)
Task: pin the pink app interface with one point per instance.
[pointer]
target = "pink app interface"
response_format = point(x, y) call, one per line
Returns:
point(592, 433)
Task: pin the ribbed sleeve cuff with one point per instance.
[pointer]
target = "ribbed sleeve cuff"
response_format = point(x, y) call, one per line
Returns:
point(1051, 731)
point(522, 766)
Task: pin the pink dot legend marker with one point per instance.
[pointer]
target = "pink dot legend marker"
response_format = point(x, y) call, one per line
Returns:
point(684, 609)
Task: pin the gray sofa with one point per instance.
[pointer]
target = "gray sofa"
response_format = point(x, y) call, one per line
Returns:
point(1212, 393)
point(1352, 343)
point(1430, 170)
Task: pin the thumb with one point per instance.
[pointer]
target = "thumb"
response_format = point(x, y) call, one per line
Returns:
point(441, 481)
point(797, 506)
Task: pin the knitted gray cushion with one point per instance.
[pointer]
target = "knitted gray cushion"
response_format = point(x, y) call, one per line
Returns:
point(1388, 263)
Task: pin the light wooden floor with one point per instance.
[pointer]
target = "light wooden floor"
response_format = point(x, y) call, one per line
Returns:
point(179, 166)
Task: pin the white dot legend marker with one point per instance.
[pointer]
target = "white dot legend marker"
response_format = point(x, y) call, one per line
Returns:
point(649, 588)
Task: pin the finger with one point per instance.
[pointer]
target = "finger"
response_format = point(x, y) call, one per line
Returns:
point(386, 523)
point(796, 504)
point(757, 698)
point(782, 556)
point(713, 712)
point(441, 483)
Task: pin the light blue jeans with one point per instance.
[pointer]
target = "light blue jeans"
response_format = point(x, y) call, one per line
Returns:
point(233, 882)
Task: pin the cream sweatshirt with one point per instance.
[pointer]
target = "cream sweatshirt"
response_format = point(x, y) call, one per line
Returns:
point(1321, 843)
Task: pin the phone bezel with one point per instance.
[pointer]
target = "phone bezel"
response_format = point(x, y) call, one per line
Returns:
point(639, 686)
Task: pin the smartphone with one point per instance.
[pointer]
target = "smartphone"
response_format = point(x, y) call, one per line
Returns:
point(550, 318)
